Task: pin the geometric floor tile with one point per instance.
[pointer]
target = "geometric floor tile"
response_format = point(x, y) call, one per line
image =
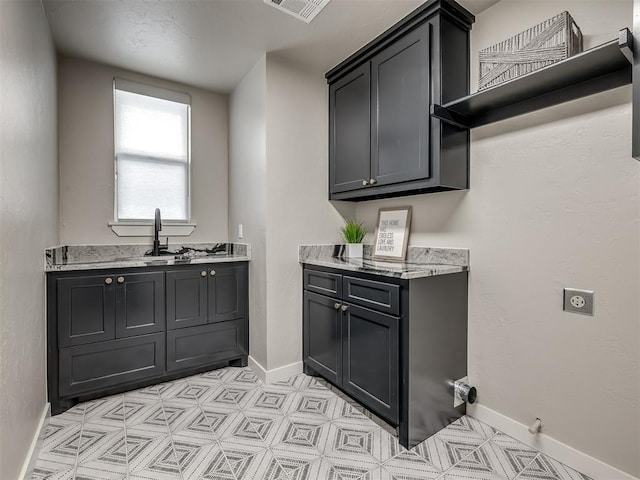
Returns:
point(226, 425)
point(410, 465)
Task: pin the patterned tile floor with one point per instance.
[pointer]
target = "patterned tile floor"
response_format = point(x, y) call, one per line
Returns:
point(227, 425)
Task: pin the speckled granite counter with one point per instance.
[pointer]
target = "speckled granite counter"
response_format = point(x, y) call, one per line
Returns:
point(93, 257)
point(421, 261)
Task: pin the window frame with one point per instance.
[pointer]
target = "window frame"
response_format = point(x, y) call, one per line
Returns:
point(162, 94)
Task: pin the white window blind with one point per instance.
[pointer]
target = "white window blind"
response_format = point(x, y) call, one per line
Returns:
point(152, 152)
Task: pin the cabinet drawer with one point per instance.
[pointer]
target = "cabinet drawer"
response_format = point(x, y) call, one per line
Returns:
point(380, 296)
point(323, 282)
point(196, 346)
point(92, 367)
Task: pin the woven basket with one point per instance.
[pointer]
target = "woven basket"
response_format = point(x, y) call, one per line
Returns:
point(546, 43)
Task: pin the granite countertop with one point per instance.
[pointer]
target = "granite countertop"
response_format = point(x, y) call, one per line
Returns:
point(421, 261)
point(94, 257)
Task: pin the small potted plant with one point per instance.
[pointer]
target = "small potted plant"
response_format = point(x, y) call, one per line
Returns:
point(353, 233)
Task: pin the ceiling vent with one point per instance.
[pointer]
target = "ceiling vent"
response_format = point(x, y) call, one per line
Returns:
point(305, 10)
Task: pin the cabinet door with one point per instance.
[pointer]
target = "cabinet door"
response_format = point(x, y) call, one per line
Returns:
point(227, 292)
point(400, 107)
point(323, 336)
point(186, 297)
point(139, 304)
point(86, 309)
point(370, 360)
point(349, 131)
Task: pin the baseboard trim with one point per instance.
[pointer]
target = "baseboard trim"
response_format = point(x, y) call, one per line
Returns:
point(548, 445)
point(276, 374)
point(32, 455)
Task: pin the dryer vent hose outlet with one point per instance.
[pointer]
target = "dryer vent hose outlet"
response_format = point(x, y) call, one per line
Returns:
point(465, 392)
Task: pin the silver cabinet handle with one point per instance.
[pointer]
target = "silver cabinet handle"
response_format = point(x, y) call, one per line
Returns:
point(108, 280)
point(336, 305)
point(212, 273)
point(365, 183)
point(120, 279)
point(373, 181)
point(344, 308)
point(203, 273)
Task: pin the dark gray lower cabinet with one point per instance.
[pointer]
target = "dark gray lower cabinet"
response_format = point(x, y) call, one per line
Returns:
point(370, 370)
point(86, 309)
point(323, 336)
point(394, 345)
point(96, 366)
point(201, 294)
point(110, 331)
point(187, 297)
point(140, 304)
point(227, 293)
point(198, 346)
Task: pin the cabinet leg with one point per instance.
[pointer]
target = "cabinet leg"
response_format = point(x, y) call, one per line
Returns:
point(61, 406)
point(239, 362)
point(308, 371)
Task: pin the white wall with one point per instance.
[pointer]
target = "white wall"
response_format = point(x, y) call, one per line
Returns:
point(247, 195)
point(85, 98)
point(28, 220)
point(298, 211)
point(278, 191)
point(554, 202)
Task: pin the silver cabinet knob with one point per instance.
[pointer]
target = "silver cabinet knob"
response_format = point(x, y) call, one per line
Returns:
point(203, 273)
point(108, 280)
point(336, 305)
point(212, 273)
point(120, 279)
point(373, 181)
point(344, 308)
point(365, 182)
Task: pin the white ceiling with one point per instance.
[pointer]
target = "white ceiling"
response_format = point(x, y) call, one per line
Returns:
point(212, 44)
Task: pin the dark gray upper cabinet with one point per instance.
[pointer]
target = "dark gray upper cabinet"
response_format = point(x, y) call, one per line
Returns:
point(400, 139)
point(350, 134)
point(382, 140)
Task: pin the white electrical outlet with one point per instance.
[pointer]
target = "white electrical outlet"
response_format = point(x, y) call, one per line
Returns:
point(240, 231)
point(578, 301)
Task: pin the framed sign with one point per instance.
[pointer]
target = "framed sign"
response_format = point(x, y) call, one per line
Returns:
point(392, 234)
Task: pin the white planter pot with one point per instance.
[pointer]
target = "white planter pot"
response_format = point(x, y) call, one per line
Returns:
point(353, 250)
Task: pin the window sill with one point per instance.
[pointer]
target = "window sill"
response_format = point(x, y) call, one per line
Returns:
point(145, 229)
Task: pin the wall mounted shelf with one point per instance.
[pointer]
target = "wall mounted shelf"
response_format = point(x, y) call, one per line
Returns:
point(596, 70)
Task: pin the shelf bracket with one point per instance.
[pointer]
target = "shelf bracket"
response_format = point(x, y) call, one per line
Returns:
point(625, 42)
point(449, 116)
